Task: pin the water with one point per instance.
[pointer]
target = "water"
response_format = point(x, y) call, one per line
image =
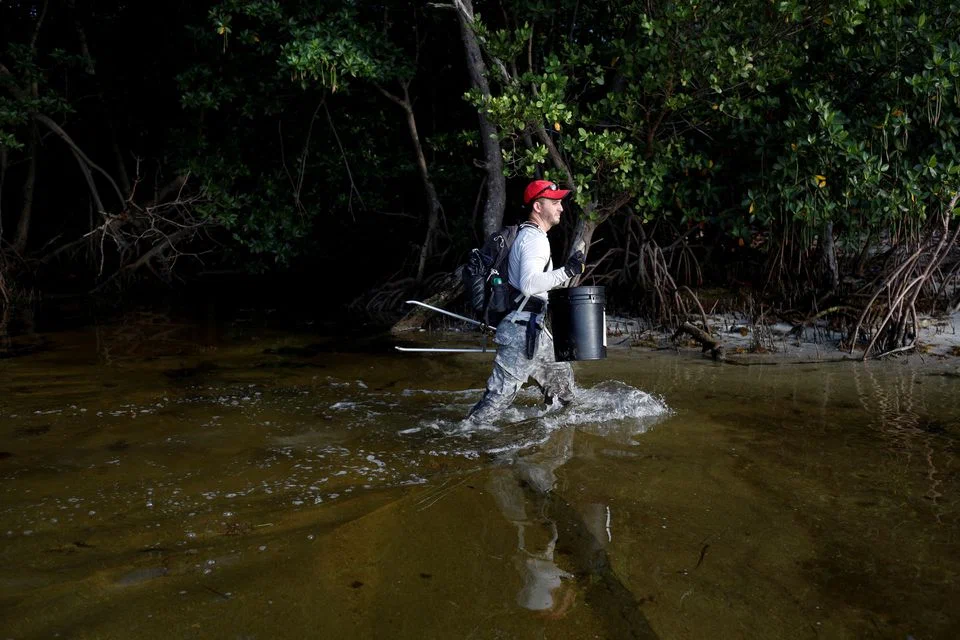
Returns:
point(163, 480)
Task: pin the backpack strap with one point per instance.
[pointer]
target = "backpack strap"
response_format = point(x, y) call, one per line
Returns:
point(505, 237)
point(526, 299)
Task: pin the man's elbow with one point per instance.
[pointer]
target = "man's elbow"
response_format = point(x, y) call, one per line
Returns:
point(527, 290)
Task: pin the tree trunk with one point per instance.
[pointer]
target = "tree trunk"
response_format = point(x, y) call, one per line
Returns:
point(583, 235)
point(830, 255)
point(3, 179)
point(91, 70)
point(86, 165)
point(418, 316)
point(33, 146)
point(493, 156)
point(433, 219)
point(582, 239)
point(26, 212)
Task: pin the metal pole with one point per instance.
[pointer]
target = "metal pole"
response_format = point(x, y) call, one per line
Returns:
point(418, 349)
point(449, 313)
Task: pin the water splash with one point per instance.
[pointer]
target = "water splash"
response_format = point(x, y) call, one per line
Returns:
point(612, 409)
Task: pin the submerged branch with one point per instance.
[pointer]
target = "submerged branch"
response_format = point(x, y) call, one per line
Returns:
point(707, 341)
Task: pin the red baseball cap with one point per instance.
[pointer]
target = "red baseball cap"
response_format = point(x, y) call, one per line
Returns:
point(543, 189)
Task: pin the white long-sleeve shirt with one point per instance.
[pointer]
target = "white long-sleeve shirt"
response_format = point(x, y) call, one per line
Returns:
point(530, 264)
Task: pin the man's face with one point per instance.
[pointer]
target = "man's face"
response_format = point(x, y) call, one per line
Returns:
point(549, 212)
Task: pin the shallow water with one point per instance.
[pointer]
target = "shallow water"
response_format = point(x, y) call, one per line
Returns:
point(173, 481)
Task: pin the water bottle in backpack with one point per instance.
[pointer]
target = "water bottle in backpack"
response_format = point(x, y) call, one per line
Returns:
point(499, 296)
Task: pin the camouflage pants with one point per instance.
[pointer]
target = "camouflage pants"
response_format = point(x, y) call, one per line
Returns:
point(511, 368)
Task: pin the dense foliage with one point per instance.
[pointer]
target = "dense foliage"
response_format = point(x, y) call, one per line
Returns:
point(779, 144)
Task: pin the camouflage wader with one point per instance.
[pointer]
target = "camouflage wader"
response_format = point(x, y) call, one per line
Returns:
point(511, 368)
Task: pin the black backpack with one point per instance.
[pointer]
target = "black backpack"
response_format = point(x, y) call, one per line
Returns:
point(485, 276)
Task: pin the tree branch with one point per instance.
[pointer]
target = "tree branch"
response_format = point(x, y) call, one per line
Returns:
point(346, 164)
point(36, 30)
point(53, 126)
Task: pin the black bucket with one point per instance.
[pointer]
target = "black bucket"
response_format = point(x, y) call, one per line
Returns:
point(578, 322)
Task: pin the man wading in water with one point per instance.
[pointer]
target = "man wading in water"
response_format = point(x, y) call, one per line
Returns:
point(524, 348)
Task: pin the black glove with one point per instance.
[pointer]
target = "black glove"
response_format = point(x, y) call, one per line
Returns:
point(574, 266)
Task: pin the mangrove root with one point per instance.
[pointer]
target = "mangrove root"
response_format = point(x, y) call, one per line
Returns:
point(891, 313)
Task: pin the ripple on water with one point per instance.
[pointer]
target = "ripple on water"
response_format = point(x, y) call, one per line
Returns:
point(141, 575)
point(312, 445)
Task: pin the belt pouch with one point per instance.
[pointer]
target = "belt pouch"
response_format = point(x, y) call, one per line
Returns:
point(533, 336)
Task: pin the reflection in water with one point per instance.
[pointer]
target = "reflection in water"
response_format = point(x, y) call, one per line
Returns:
point(524, 488)
point(525, 492)
point(530, 479)
point(523, 483)
point(900, 414)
